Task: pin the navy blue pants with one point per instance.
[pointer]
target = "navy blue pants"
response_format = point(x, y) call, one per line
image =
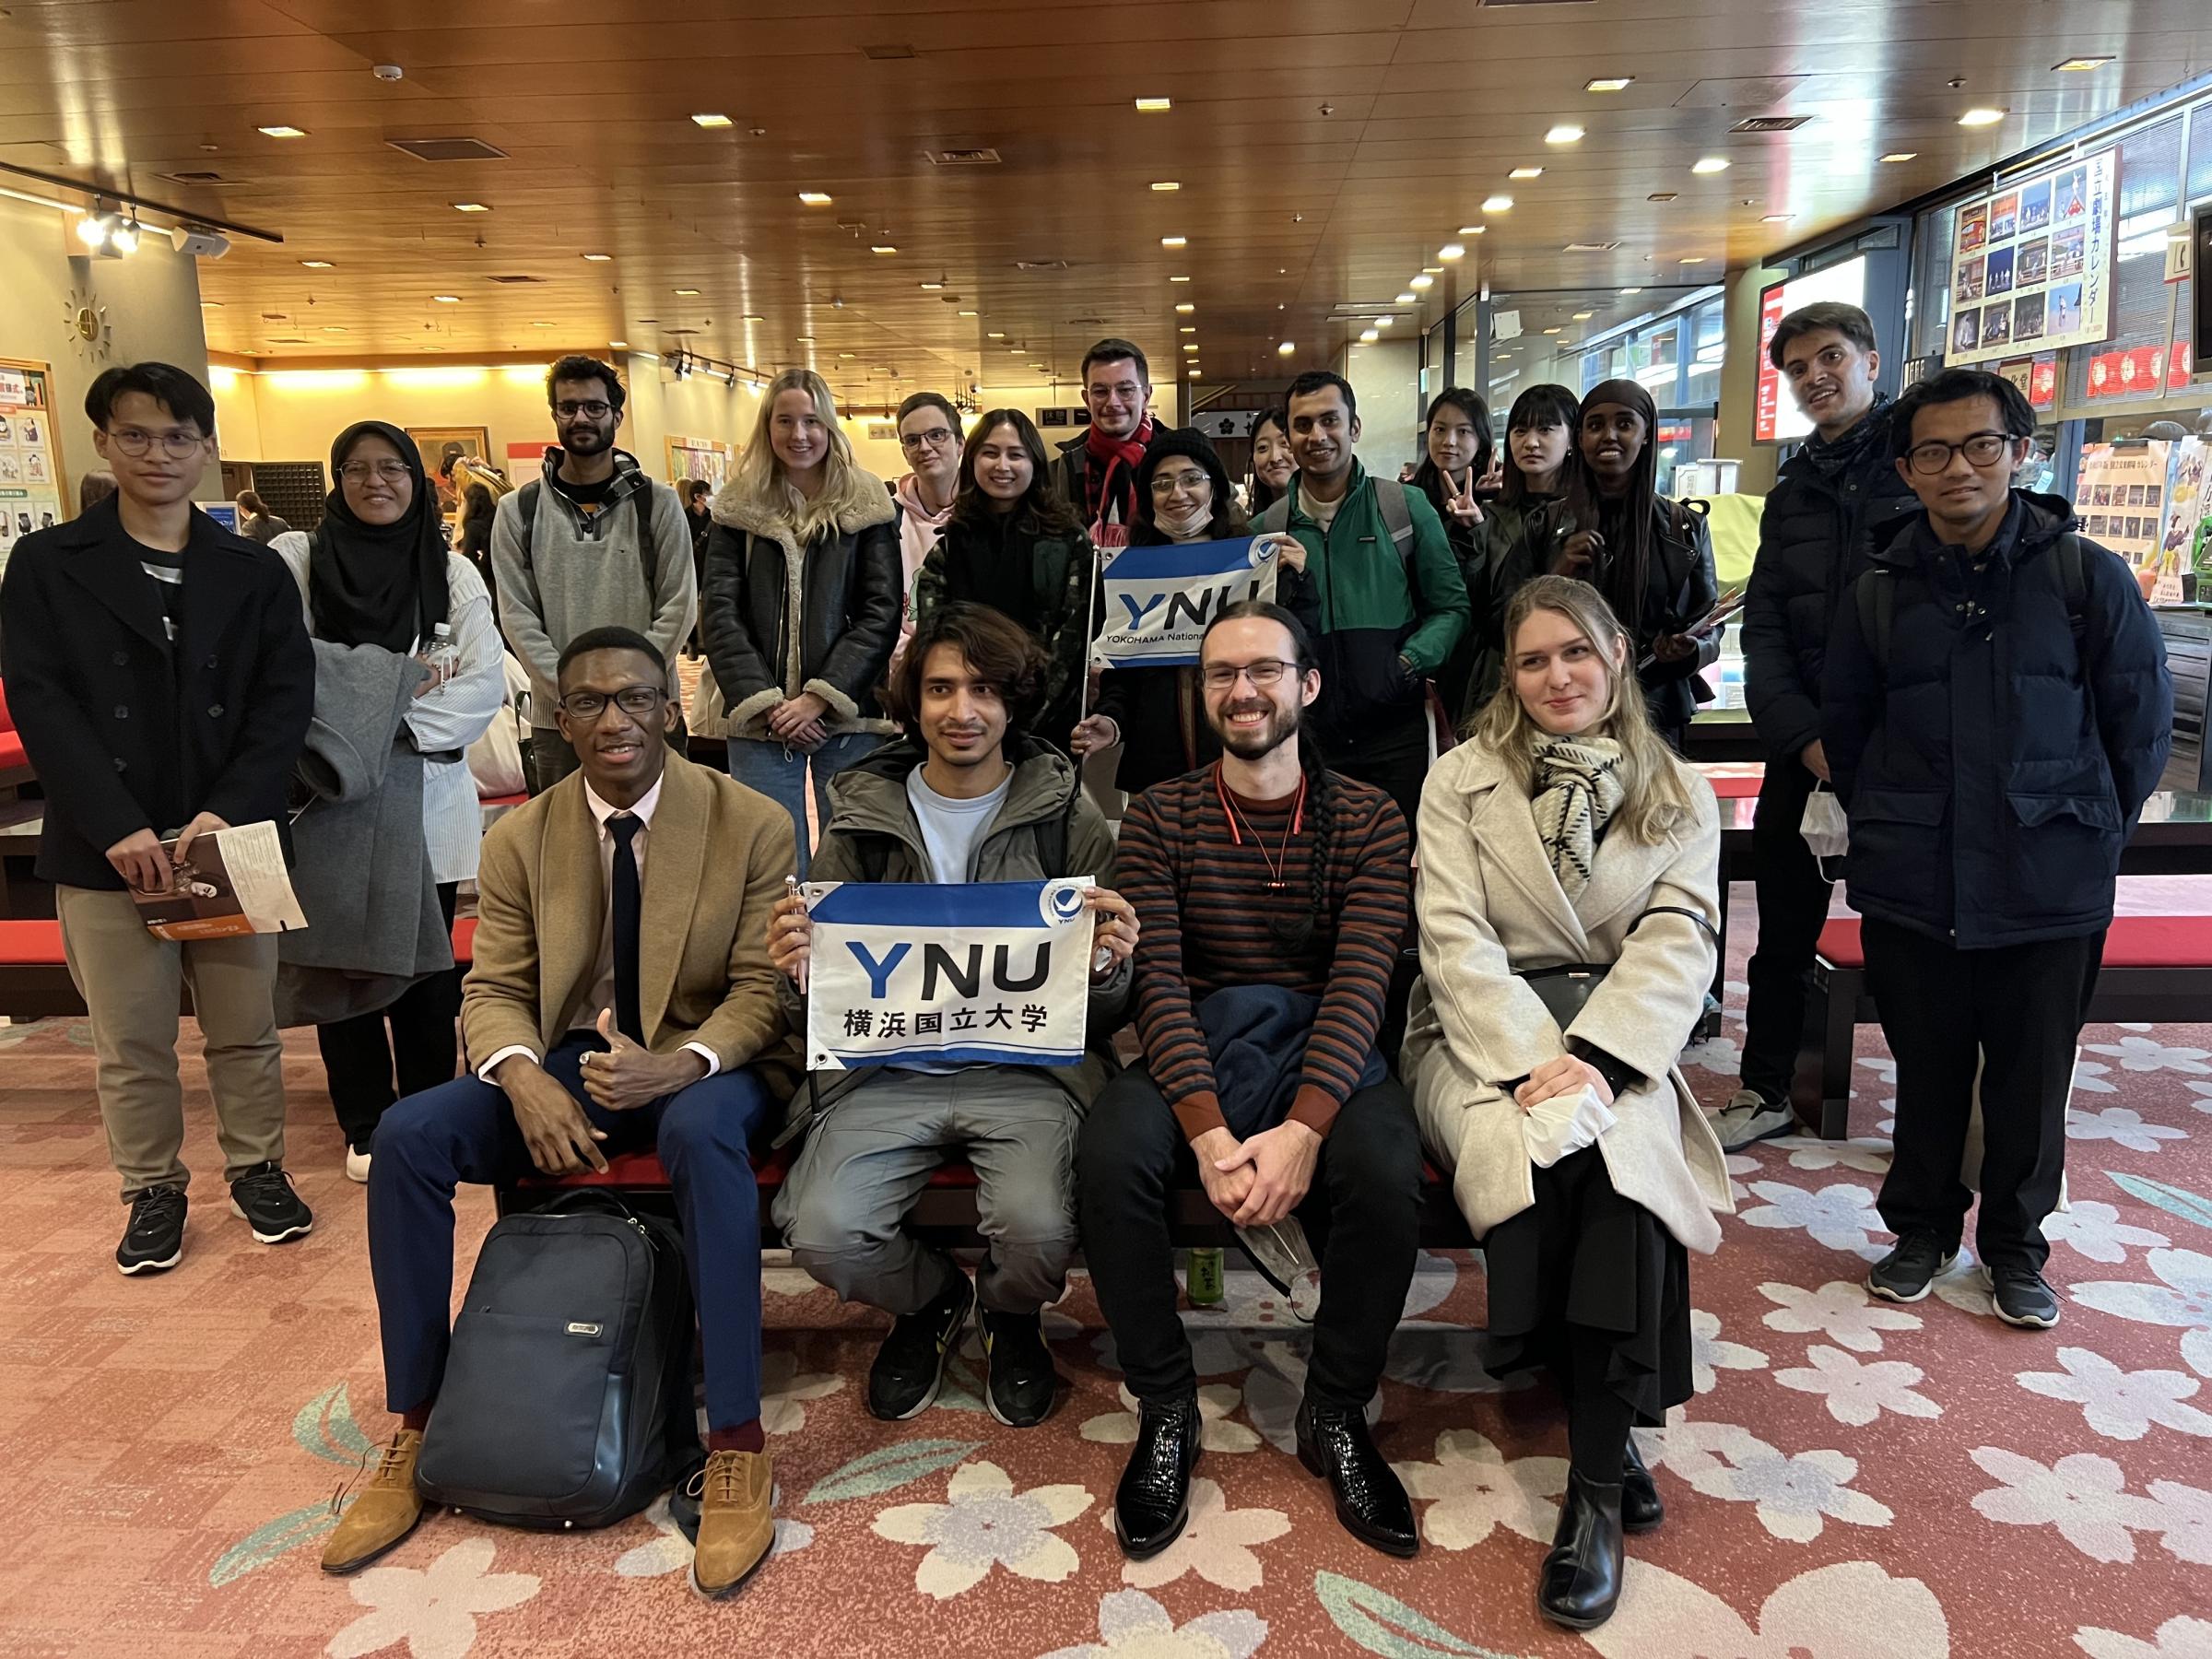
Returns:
point(465, 1131)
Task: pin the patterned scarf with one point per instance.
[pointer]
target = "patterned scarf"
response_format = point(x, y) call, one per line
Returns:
point(1578, 787)
point(1110, 482)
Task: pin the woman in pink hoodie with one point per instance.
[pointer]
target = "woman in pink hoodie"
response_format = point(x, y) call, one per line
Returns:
point(929, 433)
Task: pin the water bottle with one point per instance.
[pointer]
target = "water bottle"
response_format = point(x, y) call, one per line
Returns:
point(443, 657)
point(1202, 1279)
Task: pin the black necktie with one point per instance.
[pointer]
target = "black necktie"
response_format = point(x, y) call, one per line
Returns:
point(629, 1019)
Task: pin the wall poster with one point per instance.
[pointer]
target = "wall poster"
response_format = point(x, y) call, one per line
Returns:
point(2032, 265)
point(31, 457)
point(701, 458)
point(2122, 496)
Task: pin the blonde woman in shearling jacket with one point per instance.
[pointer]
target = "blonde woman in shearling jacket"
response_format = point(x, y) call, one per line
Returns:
point(804, 589)
point(1564, 832)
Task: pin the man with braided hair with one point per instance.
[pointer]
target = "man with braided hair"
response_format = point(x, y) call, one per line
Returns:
point(1273, 895)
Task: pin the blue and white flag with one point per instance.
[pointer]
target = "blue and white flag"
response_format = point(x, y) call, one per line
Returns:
point(1159, 599)
point(919, 973)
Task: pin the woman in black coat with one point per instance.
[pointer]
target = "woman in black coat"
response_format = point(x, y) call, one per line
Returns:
point(802, 600)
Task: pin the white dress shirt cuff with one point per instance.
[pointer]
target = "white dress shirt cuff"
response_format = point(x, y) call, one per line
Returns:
point(708, 1054)
point(484, 1071)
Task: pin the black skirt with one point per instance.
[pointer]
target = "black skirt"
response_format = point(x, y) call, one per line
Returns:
point(1584, 1255)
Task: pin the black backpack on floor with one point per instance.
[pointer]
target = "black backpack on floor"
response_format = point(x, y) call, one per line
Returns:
point(566, 1399)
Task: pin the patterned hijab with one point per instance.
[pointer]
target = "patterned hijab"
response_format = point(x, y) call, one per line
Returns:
point(1578, 788)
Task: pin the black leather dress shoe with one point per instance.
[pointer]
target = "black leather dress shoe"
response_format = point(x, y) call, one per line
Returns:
point(1579, 1583)
point(1153, 1502)
point(1640, 1509)
point(1370, 1502)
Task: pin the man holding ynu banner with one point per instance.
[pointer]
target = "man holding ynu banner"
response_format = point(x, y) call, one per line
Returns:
point(958, 799)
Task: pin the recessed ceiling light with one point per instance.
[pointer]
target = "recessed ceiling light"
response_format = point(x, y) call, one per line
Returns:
point(1452, 250)
point(814, 198)
point(1286, 348)
point(1525, 173)
point(1583, 316)
point(1498, 204)
point(687, 293)
point(1565, 132)
point(1474, 230)
point(1408, 298)
point(1980, 118)
point(1384, 321)
point(318, 265)
point(1188, 328)
point(1423, 281)
point(282, 131)
point(802, 340)
point(712, 121)
point(2082, 62)
point(1609, 83)
point(470, 207)
point(1551, 331)
point(970, 314)
point(447, 299)
point(618, 345)
point(884, 248)
point(1432, 270)
point(1190, 345)
point(995, 335)
point(1017, 351)
point(211, 305)
point(333, 328)
point(1902, 155)
point(1777, 218)
point(1631, 290)
point(1174, 241)
point(1368, 337)
point(1709, 164)
point(1153, 106)
point(599, 258)
point(1167, 184)
point(1196, 371)
point(541, 325)
point(935, 288)
point(844, 353)
point(1179, 279)
point(754, 317)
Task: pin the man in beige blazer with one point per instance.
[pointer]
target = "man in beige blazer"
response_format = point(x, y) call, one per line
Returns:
point(621, 996)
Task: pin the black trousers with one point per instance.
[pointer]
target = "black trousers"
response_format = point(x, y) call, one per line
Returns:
point(1393, 755)
point(1793, 906)
point(1361, 1216)
point(2017, 1011)
point(359, 1061)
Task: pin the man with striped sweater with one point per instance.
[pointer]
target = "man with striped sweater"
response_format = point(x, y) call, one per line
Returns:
point(1272, 896)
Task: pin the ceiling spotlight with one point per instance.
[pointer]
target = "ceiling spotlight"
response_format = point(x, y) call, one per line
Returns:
point(995, 335)
point(2077, 64)
point(470, 207)
point(687, 293)
point(1565, 132)
point(1179, 279)
point(1408, 297)
point(1196, 371)
point(712, 121)
point(1498, 204)
point(970, 314)
point(1474, 230)
point(447, 299)
point(282, 131)
point(1525, 173)
point(1186, 309)
point(599, 258)
point(1423, 281)
point(1452, 250)
point(814, 198)
point(884, 248)
point(1709, 164)
point(1288, 348)
point(318, 265)
point(1174, 241)
point(1167, 184)
point(1902, 155)
point(1190, 345)
point(1368, 337)
point(1154, 106)
point(124, 239)
point(1609, 83)
point(1980, 118)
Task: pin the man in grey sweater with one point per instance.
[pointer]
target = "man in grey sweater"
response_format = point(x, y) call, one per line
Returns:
point(593, 542)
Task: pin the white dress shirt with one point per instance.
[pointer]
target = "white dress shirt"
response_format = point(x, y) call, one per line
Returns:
point(584, 1015)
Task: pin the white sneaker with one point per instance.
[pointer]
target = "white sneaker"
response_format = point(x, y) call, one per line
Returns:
point(1747, 1118)
point(356, 1166)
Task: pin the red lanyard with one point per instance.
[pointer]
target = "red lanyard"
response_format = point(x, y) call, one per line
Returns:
point(1238, 824)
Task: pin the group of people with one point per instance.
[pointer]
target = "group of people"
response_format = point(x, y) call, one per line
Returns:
point(904, 675)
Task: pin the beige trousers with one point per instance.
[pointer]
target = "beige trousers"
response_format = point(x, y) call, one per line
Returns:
point(130, 982)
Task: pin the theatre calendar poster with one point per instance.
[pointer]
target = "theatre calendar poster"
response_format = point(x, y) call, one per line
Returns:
point(2031, 264)
point(30, 465)
point(2122, 496)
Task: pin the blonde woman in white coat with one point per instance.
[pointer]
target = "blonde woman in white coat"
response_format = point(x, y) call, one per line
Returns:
point(1565, 833)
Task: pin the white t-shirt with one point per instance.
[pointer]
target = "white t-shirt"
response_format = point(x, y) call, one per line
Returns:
point(951, 829)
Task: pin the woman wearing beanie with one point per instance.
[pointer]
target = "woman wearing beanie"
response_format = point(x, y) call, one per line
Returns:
point(801, 606)
point(1158, 715)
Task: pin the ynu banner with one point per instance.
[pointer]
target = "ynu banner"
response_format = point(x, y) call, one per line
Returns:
point(1159, 599)
point(918, 973)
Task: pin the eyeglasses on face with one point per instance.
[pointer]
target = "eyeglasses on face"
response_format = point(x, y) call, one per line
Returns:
point(1980, 449)
point(639, 703)
point(1168, 483)
point(1267, 671)
point(598, 408)
point(391, 471)
point(176, 443)
point(936, 437)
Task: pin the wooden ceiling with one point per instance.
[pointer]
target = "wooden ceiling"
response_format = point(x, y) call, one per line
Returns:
point(1325, 150)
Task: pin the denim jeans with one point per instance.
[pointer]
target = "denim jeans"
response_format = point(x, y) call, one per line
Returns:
point(780, 773)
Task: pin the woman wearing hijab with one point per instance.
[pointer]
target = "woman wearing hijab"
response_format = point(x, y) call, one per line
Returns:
point(1651, 558)
point(376, 572)
point(1158, 715)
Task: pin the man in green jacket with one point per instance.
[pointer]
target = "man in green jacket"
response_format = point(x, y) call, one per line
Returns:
point(1375, 581)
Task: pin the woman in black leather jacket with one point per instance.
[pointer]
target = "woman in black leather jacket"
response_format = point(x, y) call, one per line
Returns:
point(1650, 557)
point(801, 604)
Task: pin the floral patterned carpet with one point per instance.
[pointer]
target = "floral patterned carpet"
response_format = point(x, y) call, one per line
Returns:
point(1853, 1481)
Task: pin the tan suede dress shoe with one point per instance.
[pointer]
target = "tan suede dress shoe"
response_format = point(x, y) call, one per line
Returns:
point(385, 1512)
point(737, 1527)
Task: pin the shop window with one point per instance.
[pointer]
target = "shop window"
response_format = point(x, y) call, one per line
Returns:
point(2149, 192)
point(1931, 298)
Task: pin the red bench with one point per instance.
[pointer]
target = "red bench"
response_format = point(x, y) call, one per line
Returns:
point(14, 761)
point(34, 971)
point(2156, 969)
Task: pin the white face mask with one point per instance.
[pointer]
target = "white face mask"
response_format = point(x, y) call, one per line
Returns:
point(1186, 524)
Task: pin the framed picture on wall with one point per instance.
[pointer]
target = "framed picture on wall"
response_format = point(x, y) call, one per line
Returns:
point(432, 441)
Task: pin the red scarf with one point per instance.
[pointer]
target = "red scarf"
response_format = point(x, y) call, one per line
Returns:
point(1109, 481)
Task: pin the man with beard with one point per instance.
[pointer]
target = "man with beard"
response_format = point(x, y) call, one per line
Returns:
point(592, 543)
point(1272, 895)
point(1096, 474)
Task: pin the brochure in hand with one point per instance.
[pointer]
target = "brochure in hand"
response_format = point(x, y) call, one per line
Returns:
point(231, 883)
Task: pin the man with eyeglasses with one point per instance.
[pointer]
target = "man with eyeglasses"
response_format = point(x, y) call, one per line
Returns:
point(1995, 709)
point(594, 542)
point(1272, 895)
point(929, 434)
point(1096, 474)
point(621, 996)
point(159, 672)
